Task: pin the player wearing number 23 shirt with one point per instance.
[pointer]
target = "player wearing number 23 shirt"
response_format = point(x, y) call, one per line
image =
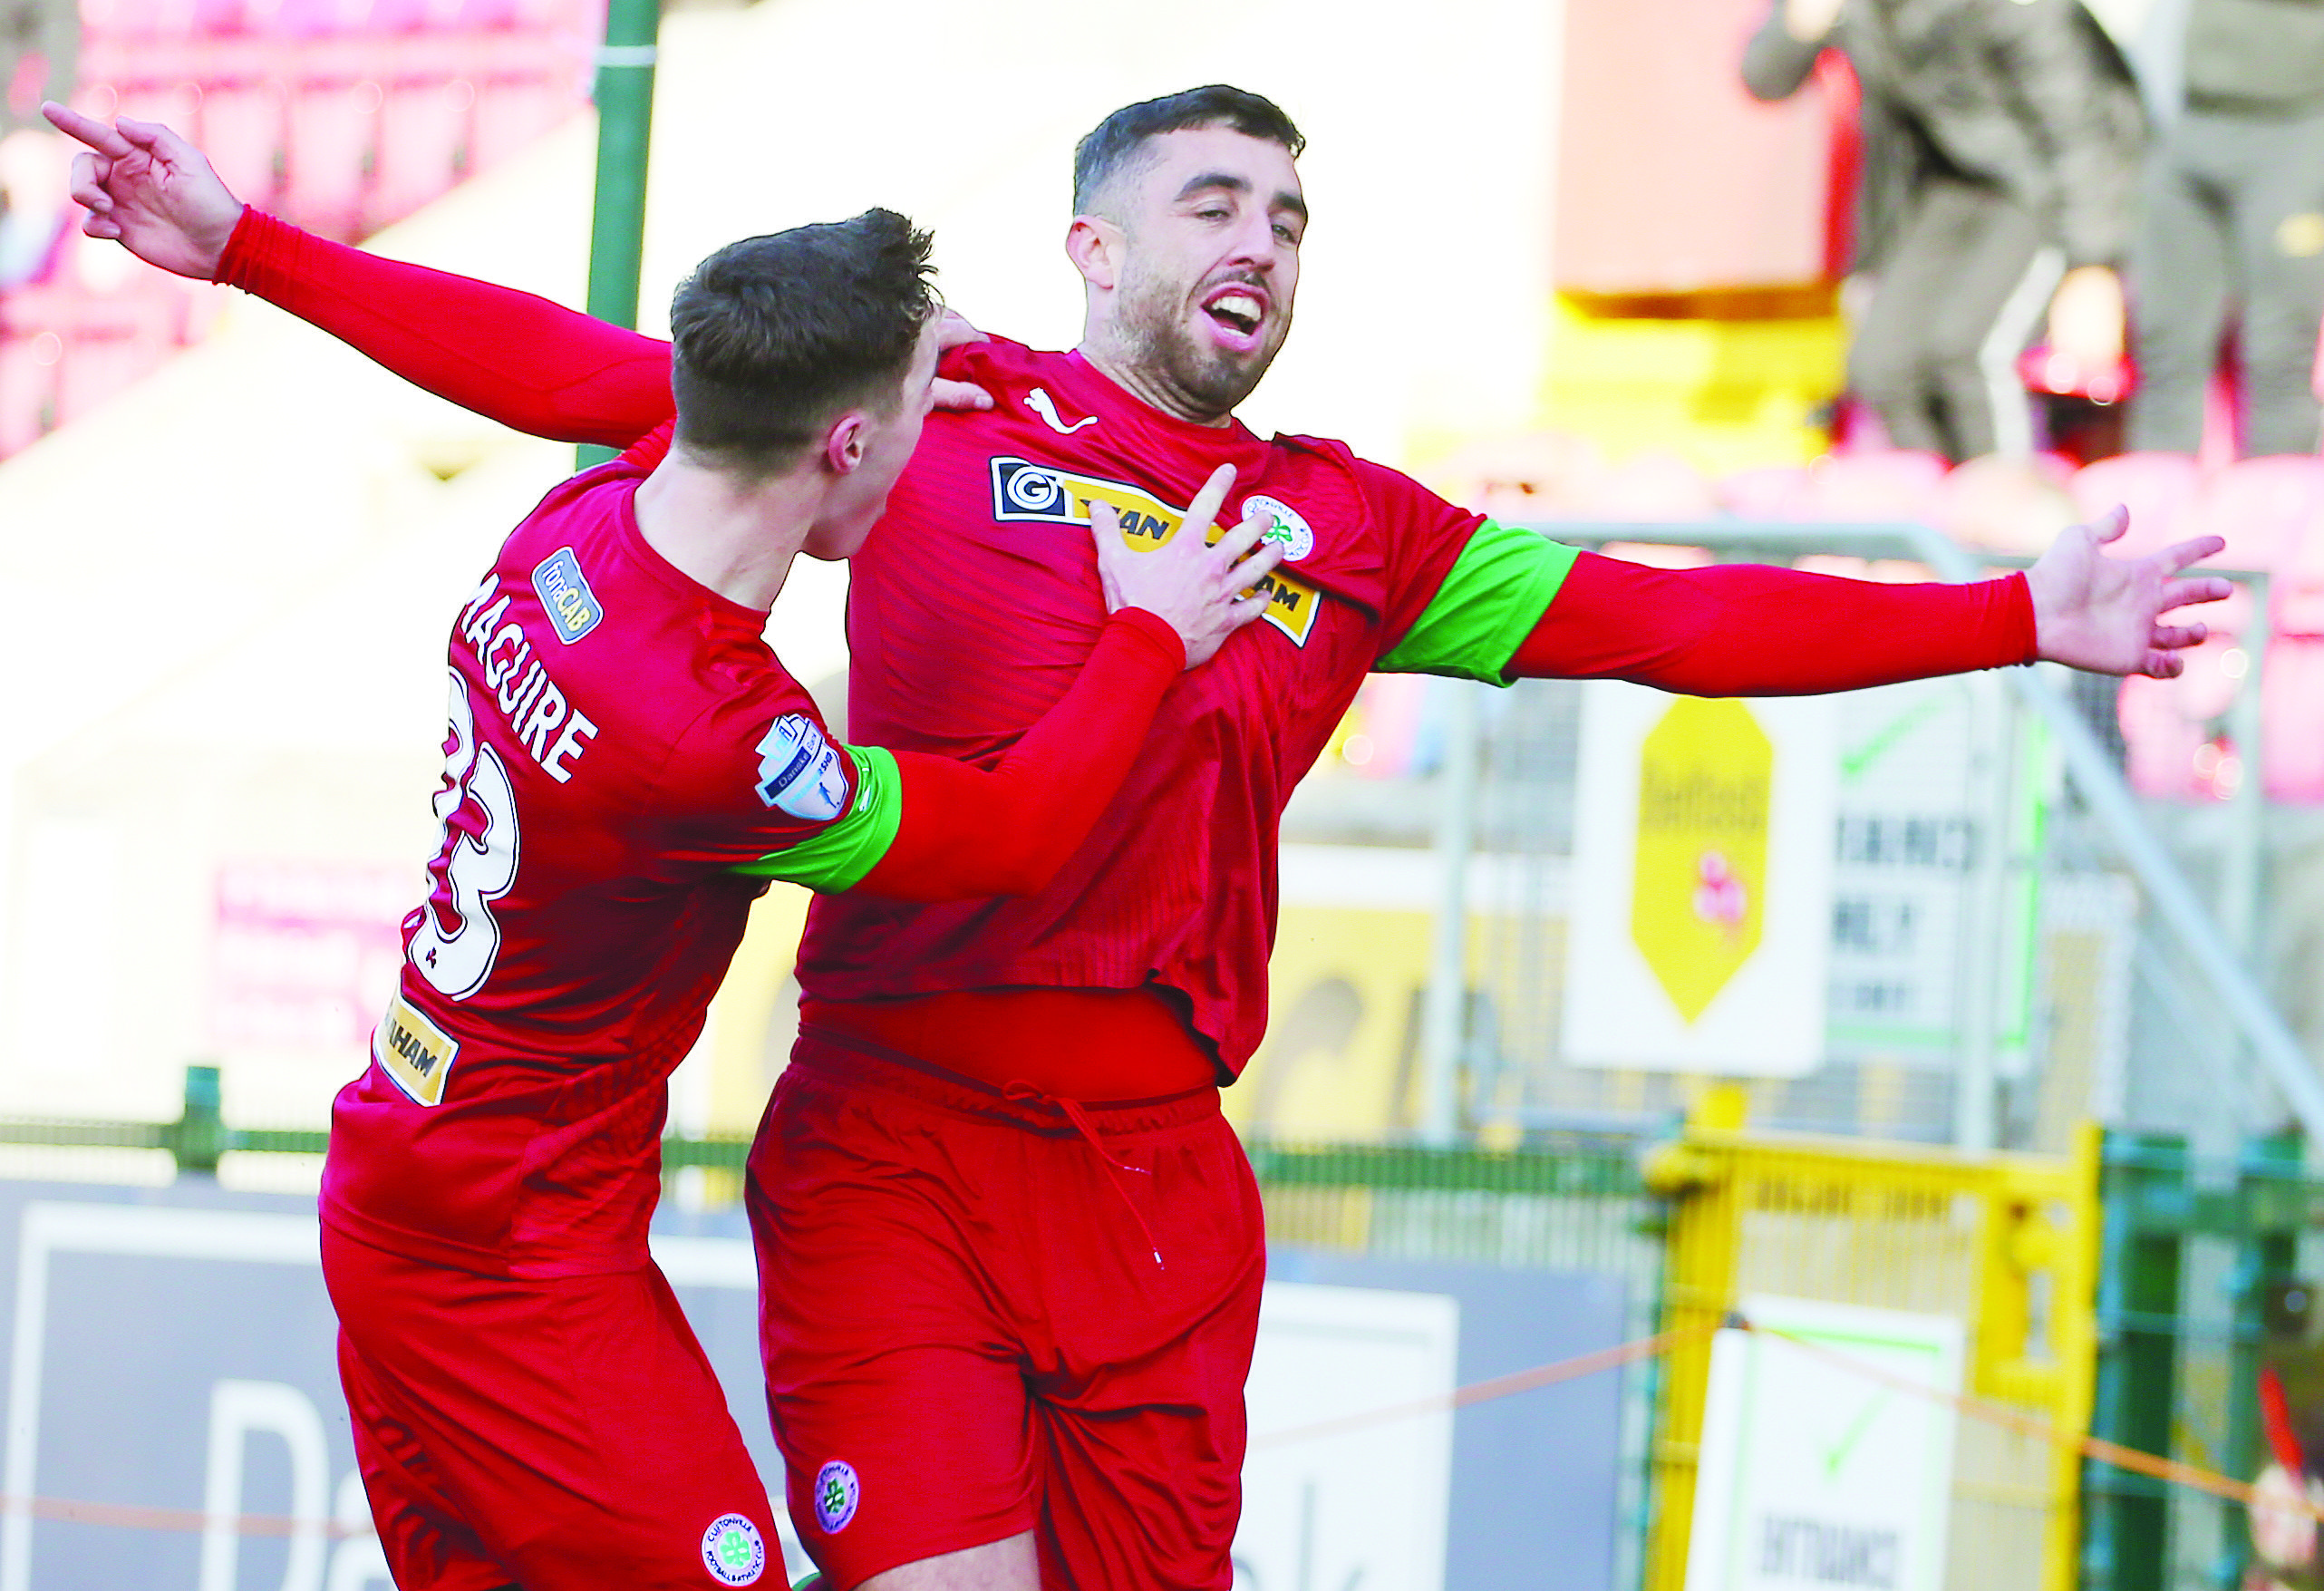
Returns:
point(627, 765)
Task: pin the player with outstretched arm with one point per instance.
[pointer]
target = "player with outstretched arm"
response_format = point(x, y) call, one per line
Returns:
point(1009, 1252)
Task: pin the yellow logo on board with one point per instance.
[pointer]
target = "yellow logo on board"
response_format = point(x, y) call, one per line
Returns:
point(1699, 896)
point(1049, 495)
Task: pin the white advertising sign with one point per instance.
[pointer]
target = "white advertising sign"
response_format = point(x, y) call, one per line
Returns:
point(1909, 832)
point(1362, 1507)
point(1701, 932)
point(1812, 1474)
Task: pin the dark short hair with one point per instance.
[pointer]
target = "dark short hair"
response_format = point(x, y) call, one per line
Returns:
point(1115, 142)
point(772, 338)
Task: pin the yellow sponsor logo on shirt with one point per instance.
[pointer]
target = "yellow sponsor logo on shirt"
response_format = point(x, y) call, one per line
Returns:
point(1047, 495)
point(415, 1051)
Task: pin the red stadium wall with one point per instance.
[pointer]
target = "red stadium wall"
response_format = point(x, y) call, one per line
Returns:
point(1670, 178)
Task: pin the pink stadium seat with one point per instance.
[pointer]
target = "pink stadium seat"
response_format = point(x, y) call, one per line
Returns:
point(242, 134)
point(173, 100)
point(2161, 740)
point(332, 127)
point(28, 360)
point(2267, 510)
point(423, 131)
point(2167, 724)
point(1874, 487)
point(308, 19)
point(512, 110)
point(2159, 489)
point(487, 15)
point(2300, 587)
point(215, 18)
point(1778, 493)
point(1658, 487)
point(2293, 716)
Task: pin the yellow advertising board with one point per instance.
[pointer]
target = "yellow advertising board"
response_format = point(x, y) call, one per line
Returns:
point(1700, 934)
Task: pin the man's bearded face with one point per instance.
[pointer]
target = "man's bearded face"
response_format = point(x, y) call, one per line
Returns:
point(1210, 264)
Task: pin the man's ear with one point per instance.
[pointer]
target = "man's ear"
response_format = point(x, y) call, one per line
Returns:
point(1094, 244)
point(843, 444)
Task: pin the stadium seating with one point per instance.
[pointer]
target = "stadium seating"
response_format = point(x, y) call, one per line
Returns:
point(2158, 489)
point(341, 115)
point(2269, 511)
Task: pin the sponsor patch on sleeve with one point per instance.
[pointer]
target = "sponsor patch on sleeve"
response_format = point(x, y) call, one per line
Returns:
point(415, 1051)
point(573, 608)
point(799, 772)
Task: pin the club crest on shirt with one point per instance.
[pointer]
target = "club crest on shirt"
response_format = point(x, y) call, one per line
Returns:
point(799, 772)
point(1045, 494)
point(573, 608)
point(1290, 526)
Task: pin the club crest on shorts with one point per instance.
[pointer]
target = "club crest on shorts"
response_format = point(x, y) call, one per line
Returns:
point(798, 771)
point(837, 1494)
point(1289, 527)
point(733, 1551)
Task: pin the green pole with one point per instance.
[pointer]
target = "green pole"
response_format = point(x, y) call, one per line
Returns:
point(625, 95)
point(2126, 1517)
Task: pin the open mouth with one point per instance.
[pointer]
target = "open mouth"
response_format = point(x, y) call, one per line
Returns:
point(1238, 313)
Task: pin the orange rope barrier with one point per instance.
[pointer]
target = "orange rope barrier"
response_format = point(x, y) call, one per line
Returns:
point(1500, 1386)
point(2169, 1470)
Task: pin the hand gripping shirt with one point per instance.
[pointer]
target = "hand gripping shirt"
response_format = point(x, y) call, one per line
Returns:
point(968, 608)
point(620, 740)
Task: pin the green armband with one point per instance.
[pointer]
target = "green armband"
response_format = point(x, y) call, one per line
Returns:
point(836, 856)
point(1491, 599)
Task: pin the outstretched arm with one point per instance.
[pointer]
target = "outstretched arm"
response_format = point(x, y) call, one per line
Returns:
point(519, 359)
point(532, 364)
point(522, 360)
point(1741, 630)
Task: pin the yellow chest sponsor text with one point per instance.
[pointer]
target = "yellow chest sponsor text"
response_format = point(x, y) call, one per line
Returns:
point(1045, 494)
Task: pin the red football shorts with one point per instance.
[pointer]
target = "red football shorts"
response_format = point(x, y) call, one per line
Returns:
point(560, 1435)
point(967, 1332)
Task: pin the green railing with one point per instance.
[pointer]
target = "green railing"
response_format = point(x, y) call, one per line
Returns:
point(2197, 1253)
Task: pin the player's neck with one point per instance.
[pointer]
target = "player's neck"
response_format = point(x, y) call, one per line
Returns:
point(737, 539)
point(1103, 350)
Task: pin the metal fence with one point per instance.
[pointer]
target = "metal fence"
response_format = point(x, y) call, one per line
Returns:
point(2202, 1281)
point(1565, 1201)
point(2005, 1244)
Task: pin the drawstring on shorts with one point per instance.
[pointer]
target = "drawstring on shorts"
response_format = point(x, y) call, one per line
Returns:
point(1025, 1091)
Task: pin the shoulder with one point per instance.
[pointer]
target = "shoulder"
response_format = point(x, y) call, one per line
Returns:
point(1387, 490)
point(998, 359)
point(764, 751)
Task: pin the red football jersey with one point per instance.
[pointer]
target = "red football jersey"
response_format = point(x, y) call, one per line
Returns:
point(970, 609)
point(621, 738)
